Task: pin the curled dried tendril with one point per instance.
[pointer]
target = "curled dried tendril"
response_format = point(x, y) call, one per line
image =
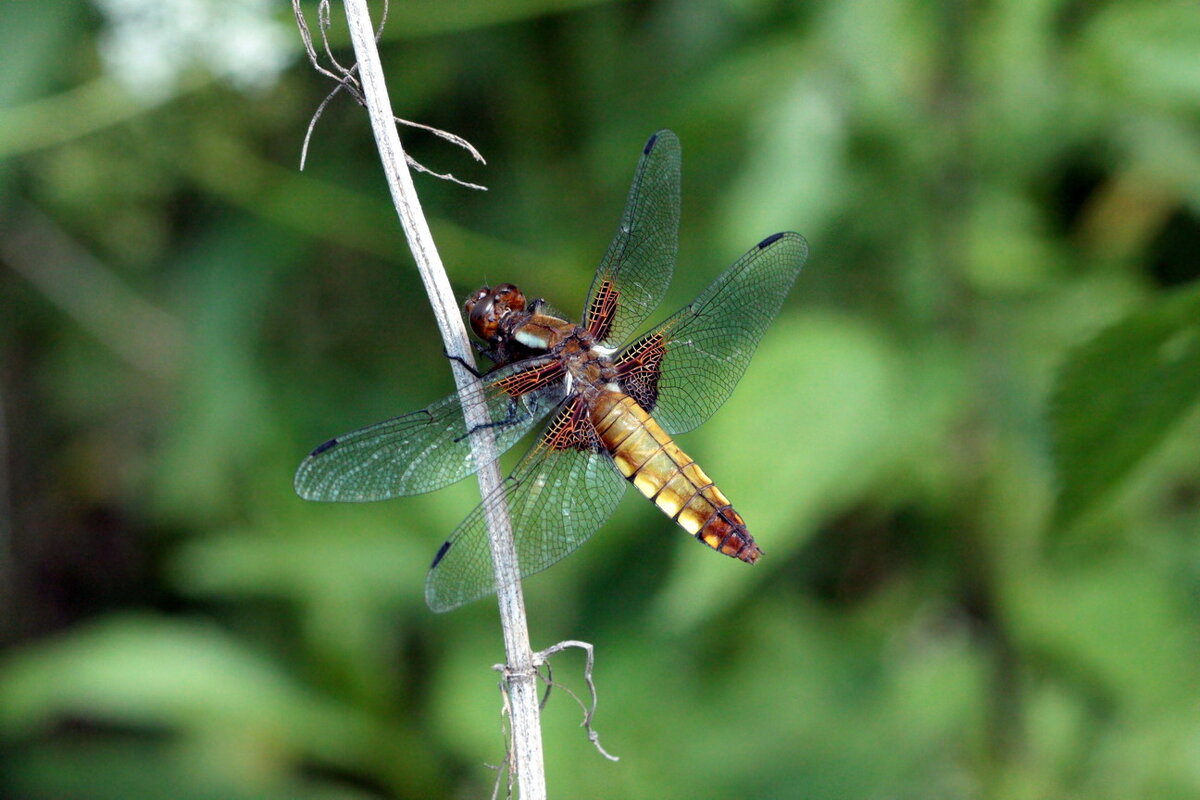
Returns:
point(347, 80)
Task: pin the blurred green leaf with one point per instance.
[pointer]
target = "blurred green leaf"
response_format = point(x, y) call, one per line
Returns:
point(1120, 394)
point(225, 417)
point(154, 769)
point(1148, 51)
point(141, 671)
point(32, 39)
point(814, 159)
point(1118, 628)
point(348, 588)
point(197, 682)
point(429, 17)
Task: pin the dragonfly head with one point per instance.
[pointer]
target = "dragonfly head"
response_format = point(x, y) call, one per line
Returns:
point(488, 306)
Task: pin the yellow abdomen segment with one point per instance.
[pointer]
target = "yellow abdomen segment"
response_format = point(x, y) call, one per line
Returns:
point(647, 457)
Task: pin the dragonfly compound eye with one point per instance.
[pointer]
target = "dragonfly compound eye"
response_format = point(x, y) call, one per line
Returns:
point(484, 320)
point(471, 301)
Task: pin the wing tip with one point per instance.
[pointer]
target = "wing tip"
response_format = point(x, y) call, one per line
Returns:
point(323, 447)
point(437, 606)
point(790, 236)
point(441, 553)
point(770, 240)
point(301, 483)
point(664, 135)
point(433, 598)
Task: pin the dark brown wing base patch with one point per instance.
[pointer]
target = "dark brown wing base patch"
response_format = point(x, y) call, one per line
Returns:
point(639, 368)
point(598, 319)
point(572, 429)
point(526, 381)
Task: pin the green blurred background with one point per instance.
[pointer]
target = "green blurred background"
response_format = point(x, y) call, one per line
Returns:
point(1003, 205)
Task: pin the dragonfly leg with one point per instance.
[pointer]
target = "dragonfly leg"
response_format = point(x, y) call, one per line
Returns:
point(462, 362)
point(510, 418)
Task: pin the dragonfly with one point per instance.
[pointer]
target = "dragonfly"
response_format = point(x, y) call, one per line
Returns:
point(613, 404)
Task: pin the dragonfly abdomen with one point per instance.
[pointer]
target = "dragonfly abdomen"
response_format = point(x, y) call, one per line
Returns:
point(649, 459)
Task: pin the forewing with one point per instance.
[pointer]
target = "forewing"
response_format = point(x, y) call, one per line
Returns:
point(636, 270)
point(428, 449)
point(687, 367)
point(565, 487)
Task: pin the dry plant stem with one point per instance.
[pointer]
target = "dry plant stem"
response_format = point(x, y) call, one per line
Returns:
point(521, 675)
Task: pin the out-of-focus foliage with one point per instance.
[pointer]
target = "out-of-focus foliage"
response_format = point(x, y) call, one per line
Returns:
point(1121, 393)
point(968, 445)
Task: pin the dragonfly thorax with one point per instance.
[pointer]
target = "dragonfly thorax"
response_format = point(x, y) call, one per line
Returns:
point(586, 365)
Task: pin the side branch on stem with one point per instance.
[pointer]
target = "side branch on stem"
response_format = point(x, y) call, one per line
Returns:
point(345, 79)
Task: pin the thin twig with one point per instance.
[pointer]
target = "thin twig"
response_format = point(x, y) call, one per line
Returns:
point(345, 79)
point(505, 768)
point(306, 37)
point(521, 677)
point(543, 658)
point(312, 124)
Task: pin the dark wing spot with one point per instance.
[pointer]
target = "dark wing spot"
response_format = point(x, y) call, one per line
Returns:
point(321, 448)
point(650, 144)
point(441, 553)
point(770, 240)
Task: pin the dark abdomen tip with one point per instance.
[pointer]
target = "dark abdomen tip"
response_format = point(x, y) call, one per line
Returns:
point(750, 553)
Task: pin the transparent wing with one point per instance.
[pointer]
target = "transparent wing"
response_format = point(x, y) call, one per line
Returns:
point(558, 496)
point(684, 369)
point(636, 270)
point(428, 449)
